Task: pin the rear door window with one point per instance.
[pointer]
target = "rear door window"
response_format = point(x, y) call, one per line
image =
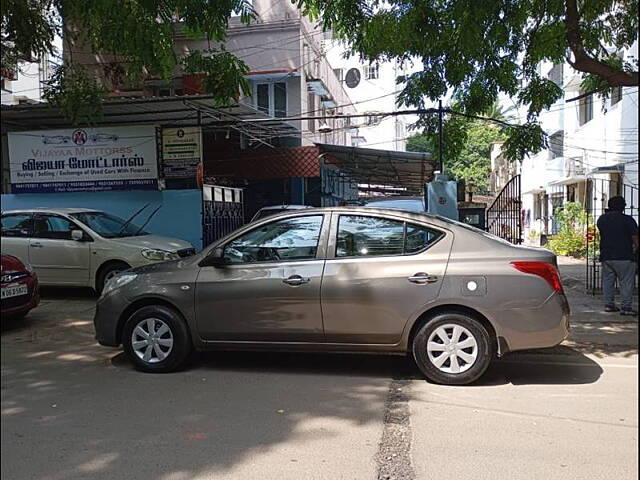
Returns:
point(17, 225)
point(364, 236)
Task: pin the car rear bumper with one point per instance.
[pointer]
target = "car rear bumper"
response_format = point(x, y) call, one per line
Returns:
point(524, 329)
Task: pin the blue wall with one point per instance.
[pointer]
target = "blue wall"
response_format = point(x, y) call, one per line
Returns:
point(180, 215)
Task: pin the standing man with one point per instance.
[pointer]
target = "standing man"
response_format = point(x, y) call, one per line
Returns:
point(618, 247)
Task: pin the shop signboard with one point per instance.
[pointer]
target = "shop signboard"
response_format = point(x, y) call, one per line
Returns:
point(84, 159)
point(181, 152)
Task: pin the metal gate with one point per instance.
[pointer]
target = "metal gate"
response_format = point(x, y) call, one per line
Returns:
point(222, 212)
point(599, 191)
point(504, 217)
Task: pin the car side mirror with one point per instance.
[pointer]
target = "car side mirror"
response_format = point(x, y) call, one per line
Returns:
point(77, 235)
point(214, 259)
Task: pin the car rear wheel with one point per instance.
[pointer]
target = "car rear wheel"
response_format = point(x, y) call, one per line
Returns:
point(452, 349)
point(156, 339)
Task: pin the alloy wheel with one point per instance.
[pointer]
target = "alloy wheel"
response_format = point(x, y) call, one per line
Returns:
point(152, 340)
point(452, 348)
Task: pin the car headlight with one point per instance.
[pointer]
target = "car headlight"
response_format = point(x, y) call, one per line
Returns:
point(159, 255)
point(28, 267)
point(118, 281)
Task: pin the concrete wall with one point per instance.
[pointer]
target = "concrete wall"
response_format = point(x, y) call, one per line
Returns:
point(180, 215)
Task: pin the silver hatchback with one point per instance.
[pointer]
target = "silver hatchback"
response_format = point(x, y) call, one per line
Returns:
point(343, 279)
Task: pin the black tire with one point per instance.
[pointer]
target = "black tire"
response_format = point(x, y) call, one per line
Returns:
point(106, 271)
point(180, 349)
point(474, 369)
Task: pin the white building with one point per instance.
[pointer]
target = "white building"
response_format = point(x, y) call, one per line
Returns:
point(375, 92)
point(592, 154)
point(26, 85)
point(288, 72)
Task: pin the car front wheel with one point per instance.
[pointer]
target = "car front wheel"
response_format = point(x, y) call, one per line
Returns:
point(452, 349)
point(156, 339)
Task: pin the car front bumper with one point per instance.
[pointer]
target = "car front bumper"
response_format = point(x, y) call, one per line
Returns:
point(110, 309)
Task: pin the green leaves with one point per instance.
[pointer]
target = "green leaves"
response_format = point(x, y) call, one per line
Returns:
point(523, 140)
point(467, 145)
point(571, 238)
point(539, 94)
point(481, 49)
point(223, 73)
point(76, 94)
point(134, 40)
point(28, 30)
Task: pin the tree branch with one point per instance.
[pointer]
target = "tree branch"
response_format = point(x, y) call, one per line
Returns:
point(584, 62)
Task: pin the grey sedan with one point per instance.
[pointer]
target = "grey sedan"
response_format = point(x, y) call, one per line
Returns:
point(343, 279)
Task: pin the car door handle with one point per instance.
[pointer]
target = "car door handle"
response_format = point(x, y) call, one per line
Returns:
point(295, 280)
point(37, 245)
point(422, 278)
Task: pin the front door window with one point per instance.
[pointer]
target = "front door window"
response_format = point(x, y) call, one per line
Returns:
point(284, 240)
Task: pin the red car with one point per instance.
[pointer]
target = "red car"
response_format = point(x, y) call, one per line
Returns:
point(18, 287)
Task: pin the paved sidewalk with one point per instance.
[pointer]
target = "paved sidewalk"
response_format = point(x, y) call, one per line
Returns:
point(593, 330)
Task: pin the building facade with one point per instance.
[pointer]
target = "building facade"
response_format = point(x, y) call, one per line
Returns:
point(592, 154)
point(289, 74)
point(26, 84)
point(373, 89)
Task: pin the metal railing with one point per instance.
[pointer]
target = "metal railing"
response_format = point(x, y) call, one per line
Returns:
point(504, 217)
point(599, 191)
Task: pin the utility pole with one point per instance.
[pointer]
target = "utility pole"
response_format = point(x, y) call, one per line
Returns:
point(440, 137)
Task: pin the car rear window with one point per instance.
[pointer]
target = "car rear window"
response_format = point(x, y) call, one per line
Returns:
point(364, 236)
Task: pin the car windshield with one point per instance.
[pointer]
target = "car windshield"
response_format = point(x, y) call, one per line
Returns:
point(108, 226)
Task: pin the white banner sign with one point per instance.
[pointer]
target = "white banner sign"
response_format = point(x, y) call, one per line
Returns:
point(84, 159)
point(181, 151)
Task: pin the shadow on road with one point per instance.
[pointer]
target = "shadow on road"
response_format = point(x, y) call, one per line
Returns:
point(384, 366)
point(530, 368)
point(67, 293)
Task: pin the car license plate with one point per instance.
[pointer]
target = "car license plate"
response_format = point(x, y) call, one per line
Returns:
point(14, 291)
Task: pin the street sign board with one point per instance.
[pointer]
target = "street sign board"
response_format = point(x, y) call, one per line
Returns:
point(181, 151)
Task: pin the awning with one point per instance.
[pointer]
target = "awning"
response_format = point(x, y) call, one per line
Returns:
point(617, 168)
point(368, 166)
point(568, 180)
point(183, 110)
point(534, 191)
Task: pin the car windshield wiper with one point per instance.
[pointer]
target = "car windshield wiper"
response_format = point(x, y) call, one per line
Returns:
point(126, 224)
point(148, 219)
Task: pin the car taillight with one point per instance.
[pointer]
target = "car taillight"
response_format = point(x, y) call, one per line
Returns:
point(542, 269)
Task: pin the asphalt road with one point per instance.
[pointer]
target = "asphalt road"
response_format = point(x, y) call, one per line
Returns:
point(74, 410)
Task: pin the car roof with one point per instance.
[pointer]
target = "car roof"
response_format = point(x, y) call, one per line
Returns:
point(63, 210)
point(392, 212)
point(285, 207)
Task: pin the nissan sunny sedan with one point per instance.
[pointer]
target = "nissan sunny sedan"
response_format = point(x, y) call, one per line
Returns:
point(343, 279)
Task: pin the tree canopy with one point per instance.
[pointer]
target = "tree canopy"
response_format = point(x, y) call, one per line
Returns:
point(479, 49)
point(474, 50)
point(137, 34)
point(467, 147)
